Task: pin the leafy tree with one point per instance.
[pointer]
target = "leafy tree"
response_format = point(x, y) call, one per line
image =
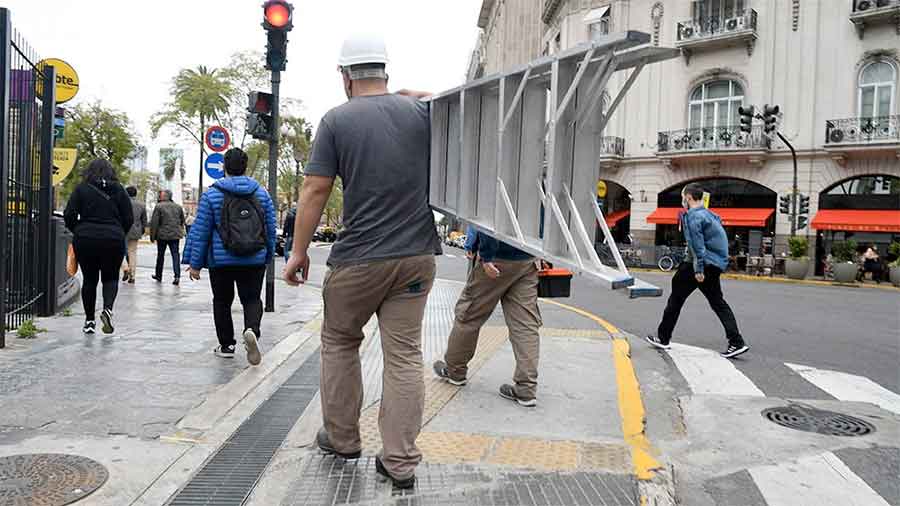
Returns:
point(97, 132)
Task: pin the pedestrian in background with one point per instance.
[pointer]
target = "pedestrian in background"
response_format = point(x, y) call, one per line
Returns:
point(234, 237)
point(188, 221)
point(167, 230)
point(383, 263)
point(287, 231)
point(506, 275)
point(139, 212)
point(99, 214)
point(707, 258)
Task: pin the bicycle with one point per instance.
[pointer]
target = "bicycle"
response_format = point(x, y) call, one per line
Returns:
point(670, 258)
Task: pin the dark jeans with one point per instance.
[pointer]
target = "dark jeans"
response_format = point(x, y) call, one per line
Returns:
point(98, 259)
point(249, 281)
point(161, 257)
point(683, 285)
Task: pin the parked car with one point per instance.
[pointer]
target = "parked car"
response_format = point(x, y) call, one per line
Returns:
point(325, 234)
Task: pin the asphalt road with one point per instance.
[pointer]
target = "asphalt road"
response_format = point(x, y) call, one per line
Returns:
point(852, 330)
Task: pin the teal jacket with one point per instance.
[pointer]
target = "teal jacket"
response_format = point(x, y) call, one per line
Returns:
point(706, 239)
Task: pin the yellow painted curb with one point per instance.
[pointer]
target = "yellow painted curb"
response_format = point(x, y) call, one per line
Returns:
point(631, 407)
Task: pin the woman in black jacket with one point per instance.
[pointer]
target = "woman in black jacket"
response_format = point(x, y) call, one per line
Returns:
point(99, 215)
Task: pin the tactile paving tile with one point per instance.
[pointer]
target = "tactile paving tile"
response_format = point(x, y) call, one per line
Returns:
point(605, 457)
point(454, 447)
point(325, 480)
point(536, 454)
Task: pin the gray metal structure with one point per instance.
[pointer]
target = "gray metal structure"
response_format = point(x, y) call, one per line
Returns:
point(515, 154)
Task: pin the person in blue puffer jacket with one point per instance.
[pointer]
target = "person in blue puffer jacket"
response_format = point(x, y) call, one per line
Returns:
point(206, 249)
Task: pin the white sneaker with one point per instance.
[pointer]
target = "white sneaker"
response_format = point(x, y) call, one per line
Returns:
point(90, 327)
point(252, 347)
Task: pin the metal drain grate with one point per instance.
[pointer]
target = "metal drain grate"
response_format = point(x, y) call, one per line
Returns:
point(229, 476)
point(810, 419)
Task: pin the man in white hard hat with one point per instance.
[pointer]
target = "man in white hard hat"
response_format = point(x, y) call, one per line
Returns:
point(383, 261)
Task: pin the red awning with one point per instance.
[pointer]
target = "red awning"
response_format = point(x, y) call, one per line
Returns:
point(858, 220)
point(616, 217)
point(731, 216)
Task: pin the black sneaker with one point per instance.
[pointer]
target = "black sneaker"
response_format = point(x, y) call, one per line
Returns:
point(657, 342)
point(325, 445)
point(252, 346)
point(125, 276)
point(509, 392)
point(406, 484)
point(158, 280)
point(440, 368)
point(735, 350)
point(176, 281)
point(90, 327)
point(224, 351)
point(106, 318)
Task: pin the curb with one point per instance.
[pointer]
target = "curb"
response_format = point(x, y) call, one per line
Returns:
point(768, 279)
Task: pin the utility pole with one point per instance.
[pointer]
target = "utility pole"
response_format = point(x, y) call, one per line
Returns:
point(795, 192)
point(202, 133)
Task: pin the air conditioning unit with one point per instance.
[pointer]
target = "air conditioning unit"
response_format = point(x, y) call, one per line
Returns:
point(837, 135)
point(731, 24)
point(882, 3)
point(863, 5)
point(687, 32)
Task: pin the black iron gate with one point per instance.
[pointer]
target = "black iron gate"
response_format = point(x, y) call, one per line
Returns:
point(27, 103)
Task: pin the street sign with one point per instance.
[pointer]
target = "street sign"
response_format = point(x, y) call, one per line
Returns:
point(59, 128)
point(215, 166)
point(63, 163)
point(217, 139)
point(66, 80)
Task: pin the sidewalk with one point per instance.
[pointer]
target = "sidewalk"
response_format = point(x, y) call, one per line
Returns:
point(172, 424)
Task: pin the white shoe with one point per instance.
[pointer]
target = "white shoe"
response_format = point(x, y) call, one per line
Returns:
point(252, 347)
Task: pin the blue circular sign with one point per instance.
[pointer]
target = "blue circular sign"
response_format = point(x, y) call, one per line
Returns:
point(215, 166)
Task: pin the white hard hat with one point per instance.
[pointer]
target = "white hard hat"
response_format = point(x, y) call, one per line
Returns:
point(364, 48)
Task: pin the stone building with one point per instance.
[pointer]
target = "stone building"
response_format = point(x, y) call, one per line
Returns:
point(832, 66)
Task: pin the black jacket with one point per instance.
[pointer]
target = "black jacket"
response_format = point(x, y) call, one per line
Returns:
point(99, 209)
point(287, 228)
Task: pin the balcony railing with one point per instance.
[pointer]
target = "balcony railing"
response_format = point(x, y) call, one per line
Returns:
point(613, 146)
point(699, 29)
point(864, 6)
point(862, 130)
point(725, 138)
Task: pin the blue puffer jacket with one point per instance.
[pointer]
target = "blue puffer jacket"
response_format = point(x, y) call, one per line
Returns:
point(204, 247)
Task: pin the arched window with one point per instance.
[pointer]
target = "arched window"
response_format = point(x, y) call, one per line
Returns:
point(715, 104)
point(877, 88)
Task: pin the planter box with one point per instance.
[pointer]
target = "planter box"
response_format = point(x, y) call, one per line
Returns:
point(796, 268)
point(895, 276)
point(845, 272)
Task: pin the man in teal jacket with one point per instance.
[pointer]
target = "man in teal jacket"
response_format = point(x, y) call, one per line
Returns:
point(707, 259)
point(205, 248)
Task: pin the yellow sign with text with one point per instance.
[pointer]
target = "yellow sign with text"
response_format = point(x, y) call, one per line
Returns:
point(63, 162)
point(601, 189)
point(66, 80)
point(706, 199)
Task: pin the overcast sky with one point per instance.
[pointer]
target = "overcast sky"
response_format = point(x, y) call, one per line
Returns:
point(125, 52)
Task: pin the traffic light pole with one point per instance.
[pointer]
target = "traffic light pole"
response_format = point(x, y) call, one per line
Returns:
point(796, 190)
point(273, 186)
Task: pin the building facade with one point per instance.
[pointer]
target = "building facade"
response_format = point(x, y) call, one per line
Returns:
point(831, 66)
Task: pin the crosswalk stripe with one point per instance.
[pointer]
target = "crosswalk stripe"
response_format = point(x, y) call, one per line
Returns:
point(814, 481)
point(849, 387)
point(707, 372)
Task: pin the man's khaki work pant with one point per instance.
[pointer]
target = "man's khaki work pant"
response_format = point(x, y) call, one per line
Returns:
point(396, 291)
point(517, 290)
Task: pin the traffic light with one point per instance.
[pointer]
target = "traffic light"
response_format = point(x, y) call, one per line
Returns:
point(260, 124)
point(277, 21)
point(803, 205)
point(784, 204)
point(770, 118)
point(747, 114)
point(801, 222)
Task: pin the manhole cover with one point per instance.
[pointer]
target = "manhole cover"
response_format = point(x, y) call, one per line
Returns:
point(810, 419)
point(48, 479)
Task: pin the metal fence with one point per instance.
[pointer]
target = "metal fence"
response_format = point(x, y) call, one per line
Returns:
point(713, 139)
point(26, 128)
point(862, 130)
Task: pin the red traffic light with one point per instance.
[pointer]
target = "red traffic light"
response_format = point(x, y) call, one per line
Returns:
point(277, 15)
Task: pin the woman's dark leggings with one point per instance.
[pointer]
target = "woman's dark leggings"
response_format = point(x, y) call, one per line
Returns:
point(98, 259)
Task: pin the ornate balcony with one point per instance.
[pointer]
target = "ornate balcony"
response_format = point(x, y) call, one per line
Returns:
point(866, 13)
point(845, 138)
point(610, 152)
point(711, 33)
point(712, 144)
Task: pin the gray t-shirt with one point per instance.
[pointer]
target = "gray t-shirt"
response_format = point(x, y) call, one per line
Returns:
point(379, 147)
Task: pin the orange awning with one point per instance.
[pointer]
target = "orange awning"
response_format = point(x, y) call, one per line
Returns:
point(858, 220)
point(731, 216)
point(616, 217)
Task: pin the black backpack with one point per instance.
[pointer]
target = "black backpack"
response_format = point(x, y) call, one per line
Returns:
point(242, 224)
